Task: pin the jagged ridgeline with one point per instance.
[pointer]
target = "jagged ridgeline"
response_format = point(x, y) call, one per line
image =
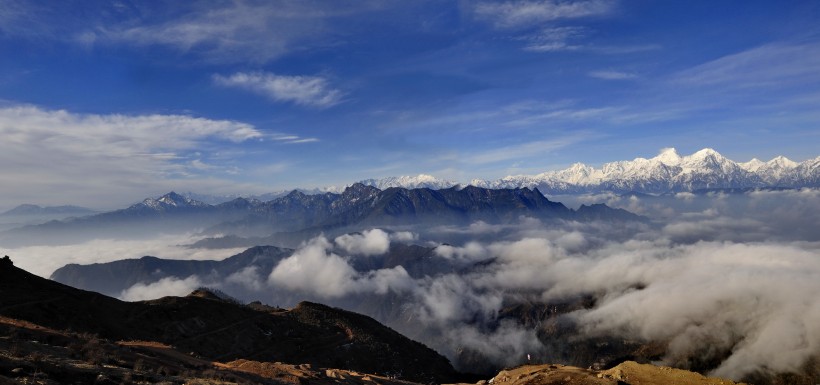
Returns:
point(295, 217)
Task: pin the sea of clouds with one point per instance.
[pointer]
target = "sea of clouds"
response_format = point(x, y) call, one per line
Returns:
point(731, 277)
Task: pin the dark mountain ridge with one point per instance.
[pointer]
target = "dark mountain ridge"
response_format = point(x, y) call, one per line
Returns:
point(299, 213)
point(111, 278)
point(219, 330)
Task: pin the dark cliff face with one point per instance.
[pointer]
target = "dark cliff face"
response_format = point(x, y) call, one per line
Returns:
point(222, 330)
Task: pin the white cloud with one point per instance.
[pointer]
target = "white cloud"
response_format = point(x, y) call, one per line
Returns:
point(369, 242)
point(471, 251)
point(314, 269)
point(247, 277)
point(164, 287)
point(311, 91)
point(404, 236)
point(514, 14)
point(89, 158)
point(612, 75)
point(751, 302)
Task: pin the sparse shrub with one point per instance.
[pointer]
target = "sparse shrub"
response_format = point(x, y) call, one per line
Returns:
point(139, 365)
point(16, 349)
point(94, 352)
point(221, 295)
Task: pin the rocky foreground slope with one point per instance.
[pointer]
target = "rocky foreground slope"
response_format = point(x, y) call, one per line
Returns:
point(218, 330)
point(33, 354)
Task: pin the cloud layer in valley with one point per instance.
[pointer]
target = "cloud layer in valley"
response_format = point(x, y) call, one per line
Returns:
point(43, 260)
point(726, 279)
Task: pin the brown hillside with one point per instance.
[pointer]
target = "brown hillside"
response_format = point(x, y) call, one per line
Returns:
point(222, 331)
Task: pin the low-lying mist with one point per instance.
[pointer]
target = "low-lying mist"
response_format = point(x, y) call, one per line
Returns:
point(43, 260)
point(728, 282)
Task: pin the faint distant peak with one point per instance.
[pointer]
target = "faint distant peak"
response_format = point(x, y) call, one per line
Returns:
point(31, 209)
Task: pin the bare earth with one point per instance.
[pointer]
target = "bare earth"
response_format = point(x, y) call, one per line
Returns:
point(627, 373)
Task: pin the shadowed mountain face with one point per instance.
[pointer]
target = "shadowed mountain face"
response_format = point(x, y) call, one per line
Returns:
point(220, 330)
point(112, 278)
point(304, 215)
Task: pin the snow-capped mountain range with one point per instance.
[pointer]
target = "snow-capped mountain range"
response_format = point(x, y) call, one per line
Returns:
point(669, 172)
point(666, 172)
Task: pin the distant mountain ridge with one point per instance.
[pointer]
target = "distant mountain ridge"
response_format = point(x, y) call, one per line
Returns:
point(668, 172)
point(359, 205)
point(32, 210)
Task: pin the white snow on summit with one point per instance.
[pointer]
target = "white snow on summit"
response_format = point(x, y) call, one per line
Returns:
point(410, 182)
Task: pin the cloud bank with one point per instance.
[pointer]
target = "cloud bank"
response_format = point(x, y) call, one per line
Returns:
point(97, 157)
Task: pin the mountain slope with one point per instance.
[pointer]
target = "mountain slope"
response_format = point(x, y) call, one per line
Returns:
point(218, 330)
point(113, 277)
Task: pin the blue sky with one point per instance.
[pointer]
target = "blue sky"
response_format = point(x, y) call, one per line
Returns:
point(103, 103)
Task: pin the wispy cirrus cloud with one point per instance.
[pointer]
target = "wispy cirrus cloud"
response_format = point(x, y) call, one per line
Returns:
point(554, 39)
point(312, 91)
point(216, 32)
point(574, 38)
point(611, 75)
point(237, 31)
point(291, 139)
point(516, 14)
point(770, 65)
point(525, 150)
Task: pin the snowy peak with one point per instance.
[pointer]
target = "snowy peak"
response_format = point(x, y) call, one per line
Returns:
point(782, 162)
point(705, 154)
point(171, 200)
point(752, 165)
point(410, 182)
point(668, 156)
